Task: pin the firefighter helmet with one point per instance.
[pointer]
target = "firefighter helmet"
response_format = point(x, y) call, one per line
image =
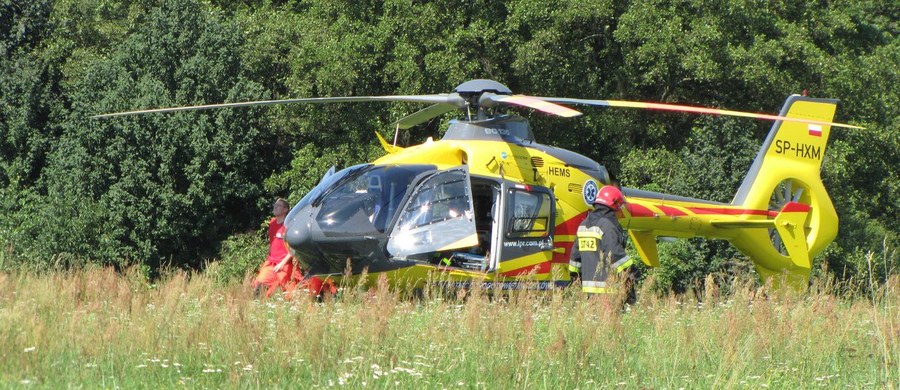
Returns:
point(611, 197)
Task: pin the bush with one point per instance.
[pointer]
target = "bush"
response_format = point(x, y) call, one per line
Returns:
point(239, 255)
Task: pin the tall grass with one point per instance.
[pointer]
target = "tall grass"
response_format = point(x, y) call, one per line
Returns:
point(97, 328)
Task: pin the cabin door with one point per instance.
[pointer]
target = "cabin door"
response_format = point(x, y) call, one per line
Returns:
point(526, 229)
point(437, 217)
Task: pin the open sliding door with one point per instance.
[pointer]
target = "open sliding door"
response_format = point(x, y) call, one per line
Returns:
point(438, 216)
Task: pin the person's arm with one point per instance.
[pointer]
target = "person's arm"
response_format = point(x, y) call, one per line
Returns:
point(575, 259)
point(283, 261)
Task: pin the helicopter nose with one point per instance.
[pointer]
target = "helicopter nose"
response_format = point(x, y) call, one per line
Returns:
point(298, 235)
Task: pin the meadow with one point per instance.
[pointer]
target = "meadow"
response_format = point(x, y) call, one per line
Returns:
point(97, 328)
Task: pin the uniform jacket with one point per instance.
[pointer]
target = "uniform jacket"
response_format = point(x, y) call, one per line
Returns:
point(599, 244)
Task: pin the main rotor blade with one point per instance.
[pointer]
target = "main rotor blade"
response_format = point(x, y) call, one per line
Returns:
point(536, 103)
point(682, 108)
point(423, 115)
point(448, 99)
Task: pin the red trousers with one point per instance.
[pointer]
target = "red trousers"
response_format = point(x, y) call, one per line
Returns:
point(274, 280)
point(318, 287)
point(288, 279)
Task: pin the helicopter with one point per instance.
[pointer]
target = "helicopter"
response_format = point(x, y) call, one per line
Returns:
point(489, 204)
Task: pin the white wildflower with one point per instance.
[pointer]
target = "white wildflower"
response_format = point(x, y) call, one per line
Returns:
point(30, 349)
point(408, 371)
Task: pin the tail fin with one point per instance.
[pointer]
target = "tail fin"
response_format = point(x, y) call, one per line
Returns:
point(787, 169)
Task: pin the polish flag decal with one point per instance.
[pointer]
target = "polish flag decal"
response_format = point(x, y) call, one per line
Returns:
point(814, 130)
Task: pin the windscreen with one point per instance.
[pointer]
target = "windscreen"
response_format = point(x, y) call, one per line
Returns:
point(365, 201)
point(327, 182)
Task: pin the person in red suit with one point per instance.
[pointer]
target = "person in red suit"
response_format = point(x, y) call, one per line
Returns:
point(278, 268)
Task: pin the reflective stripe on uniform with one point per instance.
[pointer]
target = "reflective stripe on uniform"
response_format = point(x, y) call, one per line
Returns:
point(589, 232)
point(592, 287)
point(596, 290)
point(623, 263)
point(574, 266)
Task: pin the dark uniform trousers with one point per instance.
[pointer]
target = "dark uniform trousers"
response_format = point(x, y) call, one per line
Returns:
point(599, 248)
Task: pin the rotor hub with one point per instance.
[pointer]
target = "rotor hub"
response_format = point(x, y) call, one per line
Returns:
point(473, 87)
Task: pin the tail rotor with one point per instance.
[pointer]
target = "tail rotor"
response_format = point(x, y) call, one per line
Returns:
point(787, 191)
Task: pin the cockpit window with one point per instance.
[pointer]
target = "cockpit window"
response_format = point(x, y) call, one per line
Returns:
point(329, 181)
point(365, 201)
point(322, 188)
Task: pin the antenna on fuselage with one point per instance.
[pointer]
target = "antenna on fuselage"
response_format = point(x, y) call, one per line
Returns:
point(396, 133)
point(481, 113)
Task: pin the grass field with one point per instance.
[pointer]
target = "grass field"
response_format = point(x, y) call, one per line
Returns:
point(100, 329)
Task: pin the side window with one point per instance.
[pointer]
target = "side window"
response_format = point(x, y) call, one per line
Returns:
point(437, 217)
point(529, 214)
point(441, 199)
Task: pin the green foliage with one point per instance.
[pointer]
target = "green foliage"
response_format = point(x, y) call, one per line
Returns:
point(310, 164)
point(170, 188)
point(240, 255)
point(150, 189)
point(686, 263)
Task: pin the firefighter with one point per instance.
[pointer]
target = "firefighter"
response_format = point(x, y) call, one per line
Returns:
point(600, 244)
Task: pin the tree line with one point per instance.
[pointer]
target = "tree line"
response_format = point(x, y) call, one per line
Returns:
point(159, 190)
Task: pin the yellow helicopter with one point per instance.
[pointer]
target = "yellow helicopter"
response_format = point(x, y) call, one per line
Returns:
point(488, 204)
